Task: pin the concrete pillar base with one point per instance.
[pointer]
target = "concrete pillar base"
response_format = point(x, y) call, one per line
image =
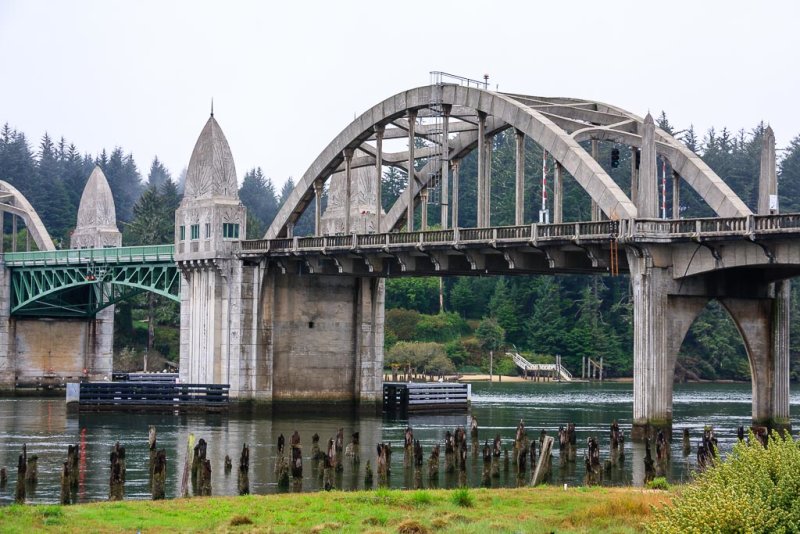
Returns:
point(641, 431)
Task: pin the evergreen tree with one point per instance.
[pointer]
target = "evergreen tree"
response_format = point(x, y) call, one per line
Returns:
point(158, 174)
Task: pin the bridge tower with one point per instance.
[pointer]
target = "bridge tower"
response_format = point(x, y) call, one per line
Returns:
point(208, 223)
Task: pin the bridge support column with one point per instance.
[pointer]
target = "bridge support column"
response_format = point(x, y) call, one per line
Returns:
point(456, 167)
point(660, 321)
point(519, 196)
point(323, 338)
point(764, 326)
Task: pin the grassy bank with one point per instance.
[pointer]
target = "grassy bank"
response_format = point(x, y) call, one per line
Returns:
point(544, 509)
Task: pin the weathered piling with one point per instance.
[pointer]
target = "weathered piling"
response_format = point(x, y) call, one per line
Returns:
point(73, 457)
point(32, 471)
point(572, 439)
point(151, 441)
point(243, 479)
point(521, 456)
point(228, 465)
point(497, 450)
point(707, 450)
point(486, 475)
point(316, 454)
point(687, 444)
point(198, 457)
point(592, 460)
point(297, 456)
point(462, 461)
point(408, 446)
point(368, 476)
point(159, 483)
point(449, 452)
point(519, 436)
point(762, 434)
point(433, 463)
point(383, 464)
point(533, 454)
point(340, 450)
point(459, 436)
point(330, 465)
point(352, 450)
point(122, 460)
point(542, 470)
point(649, 468)
point(204, 482)
point(617, 444)
point(187, 466)
point(116, 489)
point(662, 454)
point(22, 466)
point(3, 478)
point(473, 432)
point(66, 492)
point(739, 433)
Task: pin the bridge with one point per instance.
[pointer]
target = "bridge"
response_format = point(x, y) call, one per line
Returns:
point(300, 318)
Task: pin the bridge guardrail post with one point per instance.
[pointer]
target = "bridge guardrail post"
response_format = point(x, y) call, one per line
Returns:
point(698, 228)
point(750, 226)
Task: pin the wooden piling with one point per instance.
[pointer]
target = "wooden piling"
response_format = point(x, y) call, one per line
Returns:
point(497, 450)
point(66, 492)
point(228, 465)
point(340, 450)
point(3, 478)
point(330, 465)
point(433, 463)
point(543, 462)
point(316, 454)
point(22, 466)
point(187, 466)
point(116, 484)
point(243, 479)
point(297, 456)
point(352, 450)
point(486, 475)
point(649, 468)
point(204, 476)
point(408, 446)
point(159, 483)
point(73, 457)
point(592, 461)
point(32, 472)
point(449, 453)
point(687, 444)
point(368, 476)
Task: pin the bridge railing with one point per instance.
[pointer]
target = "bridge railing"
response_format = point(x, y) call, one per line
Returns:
point(91, 255)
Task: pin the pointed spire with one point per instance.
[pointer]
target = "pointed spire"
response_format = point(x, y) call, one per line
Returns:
point(211, 171)
point(212, 106)
point(97, 218)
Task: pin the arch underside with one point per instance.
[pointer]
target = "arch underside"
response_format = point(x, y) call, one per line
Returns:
point(12, 201)
point(82, 291)
point(558, 125)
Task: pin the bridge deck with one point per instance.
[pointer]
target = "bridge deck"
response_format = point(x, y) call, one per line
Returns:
point(83, 256)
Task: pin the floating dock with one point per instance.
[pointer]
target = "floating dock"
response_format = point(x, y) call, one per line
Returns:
point(147, 396)
point(425, 396)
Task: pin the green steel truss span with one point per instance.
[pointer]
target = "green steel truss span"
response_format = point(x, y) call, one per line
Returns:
point(79, 283)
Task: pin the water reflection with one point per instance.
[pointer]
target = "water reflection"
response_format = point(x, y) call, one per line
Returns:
point(47, 429)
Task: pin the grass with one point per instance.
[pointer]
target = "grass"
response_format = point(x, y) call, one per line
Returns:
point(543, 509)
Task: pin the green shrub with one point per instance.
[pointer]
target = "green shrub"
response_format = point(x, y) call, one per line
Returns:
point(658, 483)
point(421, 498)
point(442, 327)
point(754, 490)
point(462, 497)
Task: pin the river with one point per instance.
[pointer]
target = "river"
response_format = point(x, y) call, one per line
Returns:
point(43, 423)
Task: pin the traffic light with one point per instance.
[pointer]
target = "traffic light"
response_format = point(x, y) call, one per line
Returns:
point(615, 158)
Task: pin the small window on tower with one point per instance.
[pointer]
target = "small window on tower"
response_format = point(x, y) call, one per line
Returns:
point(208, 230)
point(183, 232)
point(195, 231)
point(230, 230)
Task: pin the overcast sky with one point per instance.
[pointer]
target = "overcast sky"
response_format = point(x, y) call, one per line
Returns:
point(287, 78)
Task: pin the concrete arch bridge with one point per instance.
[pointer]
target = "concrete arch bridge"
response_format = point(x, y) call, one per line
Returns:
point(300, 318)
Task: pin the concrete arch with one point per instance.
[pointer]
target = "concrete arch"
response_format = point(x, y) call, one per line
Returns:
point(589, 174)
point(12, 201)
point(555, 124)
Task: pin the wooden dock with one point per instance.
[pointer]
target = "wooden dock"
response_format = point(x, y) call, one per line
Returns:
point(425, 396)
point(147, 396)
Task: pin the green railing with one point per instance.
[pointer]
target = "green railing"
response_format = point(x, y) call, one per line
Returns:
point(91, 255)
